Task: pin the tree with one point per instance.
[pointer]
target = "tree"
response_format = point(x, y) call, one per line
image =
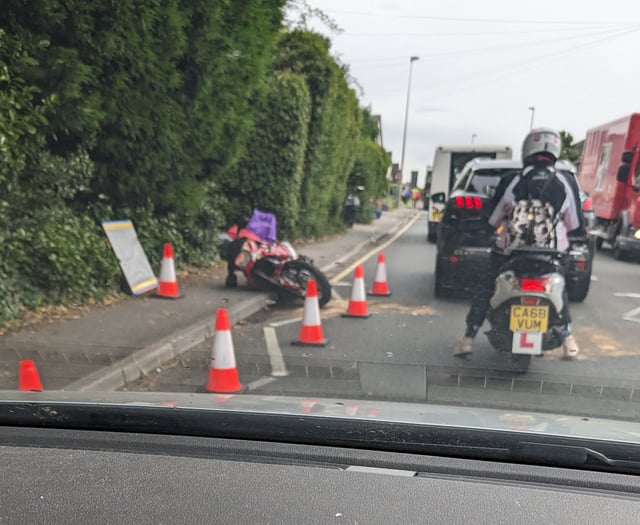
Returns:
point(334, 128)
point(569, 150)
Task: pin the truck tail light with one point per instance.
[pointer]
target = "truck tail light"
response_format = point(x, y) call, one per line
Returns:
point(470, 203)
point(588, 204)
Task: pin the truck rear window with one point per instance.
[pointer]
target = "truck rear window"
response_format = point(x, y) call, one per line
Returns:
point(483, 180)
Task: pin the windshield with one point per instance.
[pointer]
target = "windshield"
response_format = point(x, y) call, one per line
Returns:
point(155, 157)
point(484, 180)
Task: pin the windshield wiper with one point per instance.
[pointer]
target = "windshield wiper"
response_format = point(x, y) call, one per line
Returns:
point(570, 456)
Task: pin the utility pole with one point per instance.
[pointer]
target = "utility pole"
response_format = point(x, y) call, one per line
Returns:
point(533, 112)
point(404, 133)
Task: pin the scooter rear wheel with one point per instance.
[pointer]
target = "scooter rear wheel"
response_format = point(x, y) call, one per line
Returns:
point(520, 363)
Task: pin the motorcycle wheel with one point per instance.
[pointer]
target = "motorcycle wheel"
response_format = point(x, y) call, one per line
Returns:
point(520, 363)
point(306, 271)
point(599, 242)
point(579, 291)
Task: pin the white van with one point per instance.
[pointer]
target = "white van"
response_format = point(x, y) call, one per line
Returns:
point(447, 165)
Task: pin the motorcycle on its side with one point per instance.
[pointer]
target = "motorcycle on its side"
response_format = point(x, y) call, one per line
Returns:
point(271, 266)
point(524, 312)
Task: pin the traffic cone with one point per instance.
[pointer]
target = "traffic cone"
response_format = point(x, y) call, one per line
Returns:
point(380, 286)
point(358, 300)
point(167, 283)
point(311, 329)
point(223, 372)
point(29, 379)
point(351, 410)
point(307, 405)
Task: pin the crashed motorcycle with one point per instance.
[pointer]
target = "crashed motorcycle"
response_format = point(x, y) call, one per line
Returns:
point(271, 266)
point(525, 308)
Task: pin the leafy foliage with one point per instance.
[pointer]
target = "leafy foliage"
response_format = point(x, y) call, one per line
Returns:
point(333, 129)
point(370, 170)
point(270, 175)
point(176, 114)
point(569, 150)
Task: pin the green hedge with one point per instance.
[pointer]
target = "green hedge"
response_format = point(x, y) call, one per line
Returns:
point(270, 175)
point(333, 129)
point(174, 114)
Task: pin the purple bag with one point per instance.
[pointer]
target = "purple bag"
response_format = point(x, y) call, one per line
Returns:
point(263, 224)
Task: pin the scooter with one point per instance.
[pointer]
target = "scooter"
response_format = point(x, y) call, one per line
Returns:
point(351, 207)
point(524, 314)
point(270, 266)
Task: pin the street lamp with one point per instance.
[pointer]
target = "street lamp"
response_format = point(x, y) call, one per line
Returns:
point(473, 138)
point(533, 112)
point(404, 133)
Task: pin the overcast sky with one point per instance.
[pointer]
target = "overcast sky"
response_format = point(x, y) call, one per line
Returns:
point(483, 64)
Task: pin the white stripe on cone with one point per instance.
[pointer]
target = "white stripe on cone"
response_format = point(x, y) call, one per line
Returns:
point(223, 357)
point(311, 311)
point(357, 291)
point(167, 270)
point(381, 273)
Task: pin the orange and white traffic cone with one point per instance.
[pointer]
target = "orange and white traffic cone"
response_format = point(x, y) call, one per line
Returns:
point(351, 410)
point(307, 405)
point(28, 378)
point(358, 301)
point(223, 372)
point(167, 283)
point(380, 285)
point(311, 329)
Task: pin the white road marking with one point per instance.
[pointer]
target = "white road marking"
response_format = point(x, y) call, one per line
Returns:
point(260, 382)
point(285, 322)
point(631, 315)
point(377, 249)
point(278, 367)
point(594, 277)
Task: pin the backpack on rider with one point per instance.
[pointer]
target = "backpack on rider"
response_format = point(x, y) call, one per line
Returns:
point(533, 219)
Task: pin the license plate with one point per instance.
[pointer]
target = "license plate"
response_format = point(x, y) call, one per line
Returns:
point(436, 215)
point(529, 318)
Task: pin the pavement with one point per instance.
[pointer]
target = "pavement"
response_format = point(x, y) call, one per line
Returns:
point(109, 347)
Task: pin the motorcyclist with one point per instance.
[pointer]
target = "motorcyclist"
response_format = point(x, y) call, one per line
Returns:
point(236, 235)
point(351, 207)
point(538, 179)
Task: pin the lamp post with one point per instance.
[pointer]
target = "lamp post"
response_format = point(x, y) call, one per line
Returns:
point(533, 112)
point(473, 138)
point(404, 133)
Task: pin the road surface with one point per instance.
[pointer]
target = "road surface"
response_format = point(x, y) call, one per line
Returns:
point(404, 350)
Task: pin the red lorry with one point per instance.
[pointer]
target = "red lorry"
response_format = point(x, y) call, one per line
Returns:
point(610, 172)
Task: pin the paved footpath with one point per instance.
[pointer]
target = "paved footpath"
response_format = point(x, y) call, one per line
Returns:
point(110, 346)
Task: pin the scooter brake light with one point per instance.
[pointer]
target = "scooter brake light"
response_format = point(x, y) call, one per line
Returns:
point(528, 301)
point(534, 285)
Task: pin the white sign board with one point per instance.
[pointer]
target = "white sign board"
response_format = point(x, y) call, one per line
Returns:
point(133, 261)
point(527, 343)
